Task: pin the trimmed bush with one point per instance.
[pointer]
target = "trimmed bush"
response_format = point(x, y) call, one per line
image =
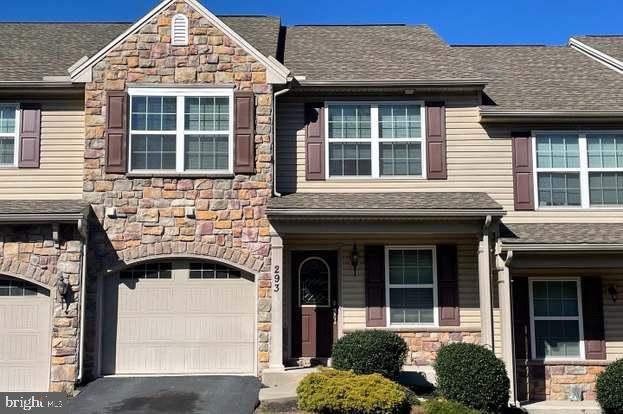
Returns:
point(331, 392)
point(369, 352)
point(473, 376)
point(610, 388)
point(446, 407)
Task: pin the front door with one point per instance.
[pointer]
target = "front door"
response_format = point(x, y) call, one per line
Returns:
point(314, 300)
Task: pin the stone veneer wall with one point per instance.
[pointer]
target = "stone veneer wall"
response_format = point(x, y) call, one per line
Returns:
point(423, 346)
point(30, 253)
point(230, 220)
point(558, 382)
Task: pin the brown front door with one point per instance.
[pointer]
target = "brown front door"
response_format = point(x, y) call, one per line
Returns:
point(314, 300)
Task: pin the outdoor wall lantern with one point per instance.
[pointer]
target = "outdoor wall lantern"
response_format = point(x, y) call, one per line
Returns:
point(613, 292)
point(63, 291)
point(354, 258)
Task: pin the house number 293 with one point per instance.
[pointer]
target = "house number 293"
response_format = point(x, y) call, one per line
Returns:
point(277, 279)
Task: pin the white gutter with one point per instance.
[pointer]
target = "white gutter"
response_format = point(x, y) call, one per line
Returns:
point(493, 114)
point(394, 82)
point(560, 247)
point(274, 132)
point(381, 212)
point(595, 54)
point(38, 84)
point(83, 230)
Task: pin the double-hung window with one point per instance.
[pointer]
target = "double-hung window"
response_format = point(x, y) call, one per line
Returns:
point(579, 169)
point(8, 135)
point(556, 319)
point(375, 140)
point(410, 274)
point(181, 130)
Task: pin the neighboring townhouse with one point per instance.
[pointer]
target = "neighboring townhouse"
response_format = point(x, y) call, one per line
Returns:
point(233, 196)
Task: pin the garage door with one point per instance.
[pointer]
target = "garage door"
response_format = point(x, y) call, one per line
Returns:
point(24, 336)
point(179, 318)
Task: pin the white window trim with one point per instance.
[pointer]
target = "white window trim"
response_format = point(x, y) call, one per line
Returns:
point(181, 94)
point(579, 318)
point(329, 293)
point(584, 170)
point(374, 140)
point(388, 286)
point(15, 135)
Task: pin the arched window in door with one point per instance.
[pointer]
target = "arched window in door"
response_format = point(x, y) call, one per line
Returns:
point(314, 287)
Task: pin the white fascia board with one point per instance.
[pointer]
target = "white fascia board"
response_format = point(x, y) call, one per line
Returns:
point(276, 72)
point(595, 54)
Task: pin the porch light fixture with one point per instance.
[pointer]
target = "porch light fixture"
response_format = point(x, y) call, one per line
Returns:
point(354, 258)
point(613, 292)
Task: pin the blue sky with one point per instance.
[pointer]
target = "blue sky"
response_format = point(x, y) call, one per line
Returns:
point(457, 21)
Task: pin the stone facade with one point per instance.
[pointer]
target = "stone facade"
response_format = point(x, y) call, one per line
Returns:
point(563, 382)
point(31, 253)
point(229, 220)
point(423, 346)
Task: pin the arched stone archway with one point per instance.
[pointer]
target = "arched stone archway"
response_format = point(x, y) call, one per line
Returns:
point(27, 272)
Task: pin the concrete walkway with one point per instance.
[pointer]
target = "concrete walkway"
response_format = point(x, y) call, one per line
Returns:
point(563, 407)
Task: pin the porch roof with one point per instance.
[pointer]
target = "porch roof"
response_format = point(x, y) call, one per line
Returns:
point(403, 204)
point(26, 211)
point(562, 236)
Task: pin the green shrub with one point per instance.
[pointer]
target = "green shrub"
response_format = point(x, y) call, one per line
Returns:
point(369, 352)
point(610, 388)
point(473, 376)
point(331, 392)
point(446, 407)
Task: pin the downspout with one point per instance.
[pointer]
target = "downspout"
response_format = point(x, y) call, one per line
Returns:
point(83, 230)
point(274, 132)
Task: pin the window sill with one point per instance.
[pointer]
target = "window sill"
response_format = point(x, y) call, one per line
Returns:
point(384, 179)
point(407, 329)
point(580, 362)
point(178, 175)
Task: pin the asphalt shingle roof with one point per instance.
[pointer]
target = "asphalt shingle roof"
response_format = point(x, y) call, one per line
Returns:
point(610, 45)
point(563, 233)
point(34, 207)
point(30, 51)
point(393, 201)
point(545, 78)
point(392, 52)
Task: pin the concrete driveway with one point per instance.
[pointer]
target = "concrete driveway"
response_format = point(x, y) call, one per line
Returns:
point(192, 395)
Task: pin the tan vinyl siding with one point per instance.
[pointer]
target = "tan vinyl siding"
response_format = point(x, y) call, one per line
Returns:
point(62, 158)
point(479, 160)
point(352, 287)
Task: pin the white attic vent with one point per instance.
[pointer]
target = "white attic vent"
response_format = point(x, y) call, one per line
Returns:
point(179, 30)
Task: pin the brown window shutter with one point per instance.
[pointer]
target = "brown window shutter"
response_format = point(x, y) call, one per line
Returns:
point(375, 286)
point(523, 179)
point(30, 136)
point(593, 315)
point(448, 285)
point(244, 133)
point(314, 141)
point(521, 333)
point(436, 156)
point(116, 133)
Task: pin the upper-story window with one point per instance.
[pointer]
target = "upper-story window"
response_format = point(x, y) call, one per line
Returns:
point(8, 135)
point(181, 130)
point(375, 140)
point(579, 169)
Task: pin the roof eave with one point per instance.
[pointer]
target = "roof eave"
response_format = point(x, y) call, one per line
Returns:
point(512, 115)
point(561, 247)
point(39, 84)
point(383, 213)
point(473, 83)
point(42, 218)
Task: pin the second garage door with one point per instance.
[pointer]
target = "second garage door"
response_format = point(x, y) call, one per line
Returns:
point(179, 318)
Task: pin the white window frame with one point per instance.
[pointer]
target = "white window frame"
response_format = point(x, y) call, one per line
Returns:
point(15, 135)
point(329, 293)
point(389, 286)
point(583, 170)
point(181, 94)
point(374, 140)
point(578, 318)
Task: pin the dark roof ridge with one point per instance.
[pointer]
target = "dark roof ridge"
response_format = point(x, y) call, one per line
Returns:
point(514, 45)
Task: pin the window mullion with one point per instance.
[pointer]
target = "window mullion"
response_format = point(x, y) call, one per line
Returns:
point(584, 182)
point(180, 140)
point(374, 133)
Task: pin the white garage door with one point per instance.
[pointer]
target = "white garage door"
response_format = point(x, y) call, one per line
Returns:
point(24, 336)
point(179, 318)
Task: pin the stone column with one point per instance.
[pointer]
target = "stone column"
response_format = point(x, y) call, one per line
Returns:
point(506, 317)
point(276, 329)
point(484, 290)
